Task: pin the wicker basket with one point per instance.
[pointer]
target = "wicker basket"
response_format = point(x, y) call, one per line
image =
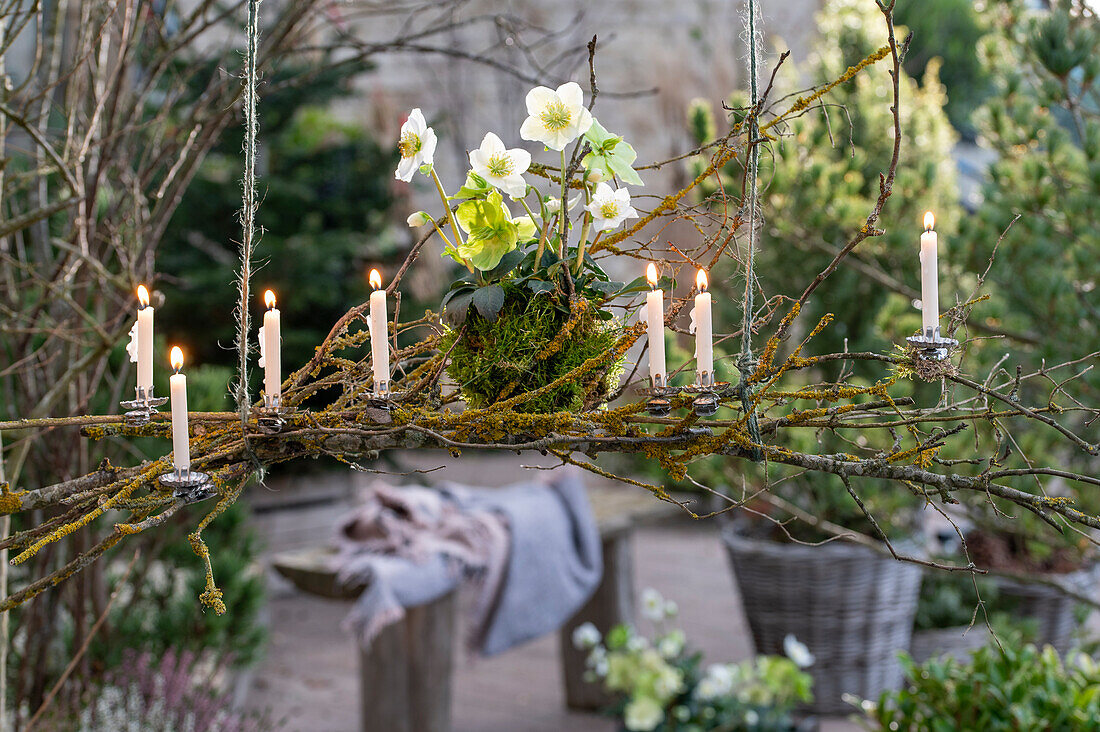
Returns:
point(852, 607)
point(1052, 608)
point(956, 642)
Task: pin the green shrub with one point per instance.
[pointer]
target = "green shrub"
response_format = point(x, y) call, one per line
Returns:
point(997, 689)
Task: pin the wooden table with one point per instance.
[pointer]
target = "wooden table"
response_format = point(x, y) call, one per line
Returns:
point(405, 675)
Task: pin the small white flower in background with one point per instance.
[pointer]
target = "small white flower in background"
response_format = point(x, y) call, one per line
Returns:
point(669, 682)
point(717, 682)
point(501, 167)
point(585, 636)
point(653, 605)
point(636, 643)
point(597, 661)
point(671, 645)
point(643, 714)
point(420, 218)
point(416, 145)
point(610, 207)
point(671, 609)
point(557, 117)
point(797, 652)
point(752, 717)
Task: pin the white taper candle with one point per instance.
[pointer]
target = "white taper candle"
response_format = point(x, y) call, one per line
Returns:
point(704, 341)
point(144, 341)
point(379, 334)
point(929, 275)
point(655, 326)
point(181, 444)
point(271, 344)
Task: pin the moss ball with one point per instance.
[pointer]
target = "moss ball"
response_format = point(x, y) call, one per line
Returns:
point(517, 353)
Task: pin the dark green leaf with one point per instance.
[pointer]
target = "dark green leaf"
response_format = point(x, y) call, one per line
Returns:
point(489, 300)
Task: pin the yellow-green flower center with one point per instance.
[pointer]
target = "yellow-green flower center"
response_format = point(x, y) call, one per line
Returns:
point(500, 166)
point(609, 209)
point(555, 116)
point(409, 144)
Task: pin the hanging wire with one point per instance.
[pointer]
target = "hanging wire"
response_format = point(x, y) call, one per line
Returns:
point(746, 364)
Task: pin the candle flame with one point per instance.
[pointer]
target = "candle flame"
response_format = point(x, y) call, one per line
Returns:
point(701, 280)
point(651, 274)
point(177, 358)
point(143, 296)
point(929, 221)
point(375, 279)
point(269, 299)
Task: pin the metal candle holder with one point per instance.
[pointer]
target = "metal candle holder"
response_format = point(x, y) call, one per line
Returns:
point(660, 396)
point(931, 345)
point(271, 416)
point(708, 393)
point(190, 485)
point(143, 407)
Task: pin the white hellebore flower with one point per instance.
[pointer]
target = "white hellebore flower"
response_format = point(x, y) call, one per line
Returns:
point(417, 145)
point(643, 714)
point(797, 652)
point(653, 605)
point(585, 636)
point(610, 207)
point(418, 219)
point(502, 168)
point(556, 117)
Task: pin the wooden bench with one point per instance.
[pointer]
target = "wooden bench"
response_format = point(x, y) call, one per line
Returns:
point(405, 675)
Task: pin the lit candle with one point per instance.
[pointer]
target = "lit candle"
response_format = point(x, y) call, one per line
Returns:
point(929, 277)
point(271, 352)
point(379, 333)
point(181, 446)
point(143, 353)
point(655, 325)
point(704, 346)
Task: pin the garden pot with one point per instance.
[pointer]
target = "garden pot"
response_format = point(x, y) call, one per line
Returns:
point(1053, 609)
point(852, 607)
point(956, 642)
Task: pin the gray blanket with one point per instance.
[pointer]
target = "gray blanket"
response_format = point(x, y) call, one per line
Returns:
point(530, 551)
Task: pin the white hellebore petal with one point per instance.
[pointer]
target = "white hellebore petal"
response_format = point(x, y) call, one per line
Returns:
point(610, 207)
point(557, 117)
point(416, 145)
point(653, 605)
point(553, 204)
point(502, 168)
point(418, 219)
point(797, 652)
point(585, 636)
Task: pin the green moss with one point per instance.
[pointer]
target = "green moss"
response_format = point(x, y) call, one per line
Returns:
point(534, 341)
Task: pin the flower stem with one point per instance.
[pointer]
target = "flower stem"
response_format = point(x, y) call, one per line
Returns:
point(584, 233)
point(563, 212)
point(447, 208)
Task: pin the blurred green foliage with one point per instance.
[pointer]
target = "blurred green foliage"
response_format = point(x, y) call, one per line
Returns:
point(325, 190)
point(946, 33)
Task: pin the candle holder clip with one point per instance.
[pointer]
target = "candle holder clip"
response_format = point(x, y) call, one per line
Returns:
point(271, 417)
point(659, 403)
point(142, 408)
point(189, 485)
point(708, 393)
point(931, 345)
point(383, 398)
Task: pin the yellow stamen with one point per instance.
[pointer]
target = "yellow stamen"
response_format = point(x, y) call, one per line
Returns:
point(555, 116)
point(609, 210)
point(409, 144)
point(500, 166)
